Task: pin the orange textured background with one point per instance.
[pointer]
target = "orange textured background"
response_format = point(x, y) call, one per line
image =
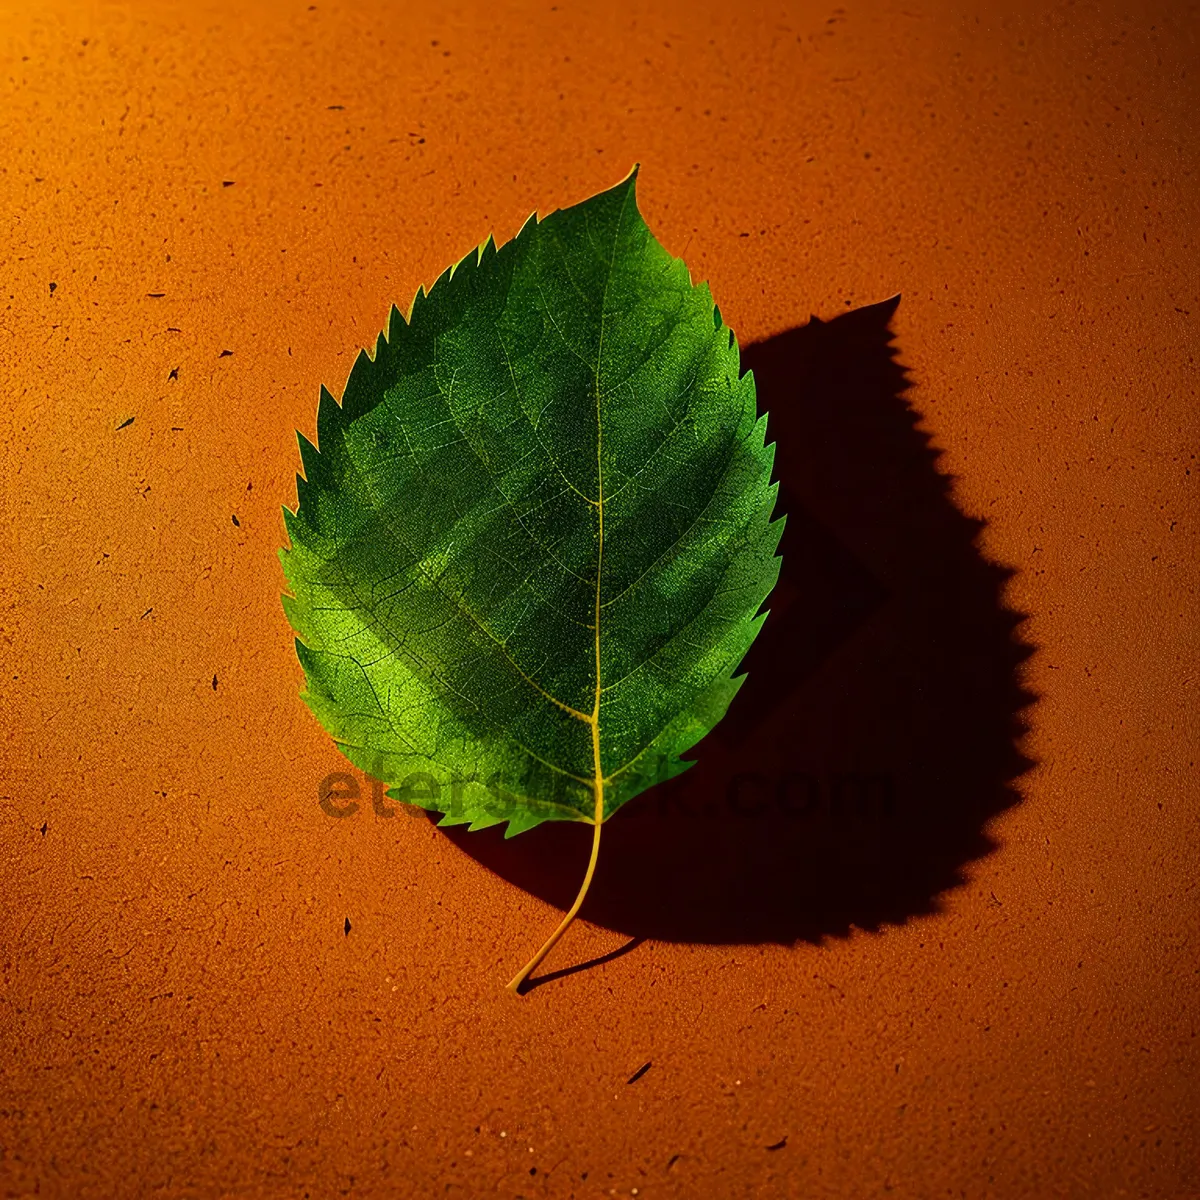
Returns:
point(183, 1013)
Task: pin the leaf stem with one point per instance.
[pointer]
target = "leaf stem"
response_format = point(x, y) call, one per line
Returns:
point(523, 974)
point(594, 720)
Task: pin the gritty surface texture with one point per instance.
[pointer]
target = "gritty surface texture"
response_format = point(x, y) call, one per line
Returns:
point(923, 921)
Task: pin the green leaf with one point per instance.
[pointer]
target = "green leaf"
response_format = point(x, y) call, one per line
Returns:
point(532, 547)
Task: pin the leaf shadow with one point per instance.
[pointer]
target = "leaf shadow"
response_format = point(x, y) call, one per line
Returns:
point(550, 976)
point(876, 737)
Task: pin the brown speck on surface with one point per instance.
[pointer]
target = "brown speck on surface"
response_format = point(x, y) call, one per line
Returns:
point(53, 288)
point(225, 354)
point(638, 1073)
point(228, 182)
point(214, 684)
point(126, 423)
point(235, 520)
point(346, 927)
point(779, 1145)
point(173, 373)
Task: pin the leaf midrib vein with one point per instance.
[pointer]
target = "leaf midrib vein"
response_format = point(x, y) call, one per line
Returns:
point(597, 766)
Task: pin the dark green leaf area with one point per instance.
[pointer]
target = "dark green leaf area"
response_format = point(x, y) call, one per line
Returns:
point(537, 534)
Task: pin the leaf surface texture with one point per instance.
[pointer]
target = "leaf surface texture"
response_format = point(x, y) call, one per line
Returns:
point(532, 547)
